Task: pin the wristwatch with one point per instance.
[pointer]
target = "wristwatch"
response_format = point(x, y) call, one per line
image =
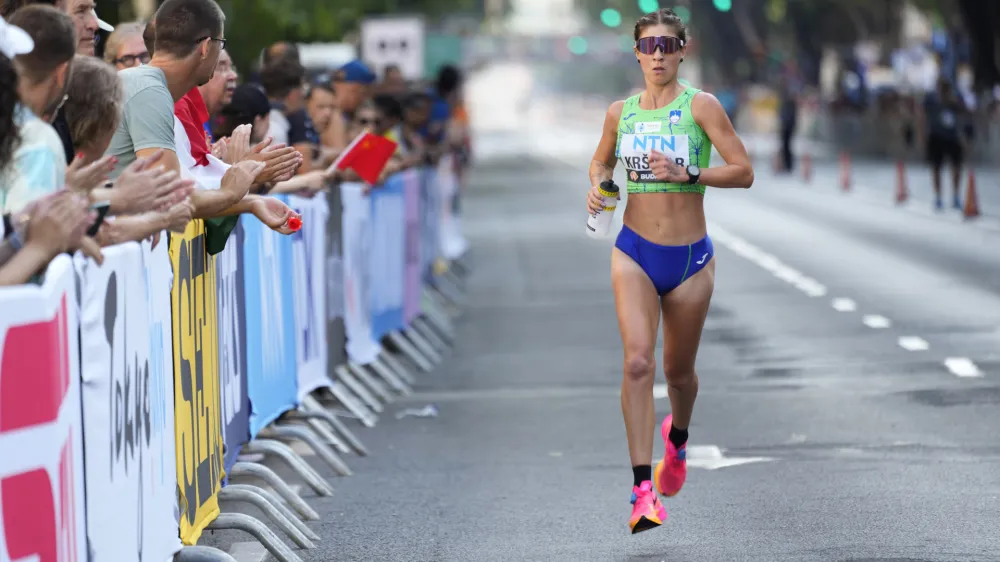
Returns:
point(694, 173)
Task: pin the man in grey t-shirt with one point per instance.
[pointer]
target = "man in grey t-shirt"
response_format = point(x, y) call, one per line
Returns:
point(188, 36)
point(147, 116)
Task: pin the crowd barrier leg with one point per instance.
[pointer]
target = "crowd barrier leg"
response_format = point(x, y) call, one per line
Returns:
point(255, 470)
point(411, 352)
point(398, 368)
point(364, 374)
point(314, 408)
point(327, 432)
point(432, 337)
point(390, 376)
point(443, 303)
point(202, 554)
point(247, 524)
point(454, 279)
point(346, 375)
point(423, 345)
point(439, 320)
point(280, 506)
point(294, 461)
point(306, 435)
point(251, 495)
point(353, 405)
point(453, 295)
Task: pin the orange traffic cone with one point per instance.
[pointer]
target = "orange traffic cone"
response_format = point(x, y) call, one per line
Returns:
point(807, 167)
point(845, 171)
point(902, 193)
point(971, 209)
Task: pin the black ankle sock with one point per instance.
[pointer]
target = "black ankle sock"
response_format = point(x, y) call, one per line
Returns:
point(641, 474)
point(678, 436)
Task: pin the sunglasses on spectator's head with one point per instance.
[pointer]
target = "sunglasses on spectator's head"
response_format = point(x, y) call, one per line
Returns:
point(667, 45)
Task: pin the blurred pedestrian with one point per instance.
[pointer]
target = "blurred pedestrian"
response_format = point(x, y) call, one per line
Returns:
point(943, 116)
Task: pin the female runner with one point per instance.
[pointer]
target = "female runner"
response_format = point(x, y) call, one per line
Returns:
point(663, 257)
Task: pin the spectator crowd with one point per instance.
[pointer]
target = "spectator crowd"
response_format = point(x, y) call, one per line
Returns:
point(160, 131)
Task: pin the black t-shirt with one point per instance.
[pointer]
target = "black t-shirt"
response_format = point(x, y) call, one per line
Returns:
point(62, 128)
point(301, 130)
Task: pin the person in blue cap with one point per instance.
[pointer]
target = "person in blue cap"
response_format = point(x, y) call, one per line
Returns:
point(352, 83)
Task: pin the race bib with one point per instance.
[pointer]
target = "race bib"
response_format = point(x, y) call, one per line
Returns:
point(635, 149)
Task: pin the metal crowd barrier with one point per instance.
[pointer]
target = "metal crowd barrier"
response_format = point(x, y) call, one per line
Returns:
point(135, 396)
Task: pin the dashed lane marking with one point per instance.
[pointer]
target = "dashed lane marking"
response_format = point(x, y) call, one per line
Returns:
point(844, 305)
point(913, 343)
point(876, 321)
point(962, 367)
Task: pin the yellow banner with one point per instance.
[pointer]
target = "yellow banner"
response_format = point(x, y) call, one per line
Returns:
point(196, 382)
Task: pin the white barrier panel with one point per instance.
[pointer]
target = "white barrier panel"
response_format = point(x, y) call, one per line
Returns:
point(453, 243)
point(355, 221)
point(308, 275)
point(41, 442)
point(128, 406)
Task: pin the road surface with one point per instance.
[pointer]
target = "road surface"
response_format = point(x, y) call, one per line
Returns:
point(850, 362)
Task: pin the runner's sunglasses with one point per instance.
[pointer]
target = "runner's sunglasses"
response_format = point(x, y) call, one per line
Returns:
point(669, 45)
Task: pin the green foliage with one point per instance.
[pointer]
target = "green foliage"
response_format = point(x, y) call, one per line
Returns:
point(253, 24)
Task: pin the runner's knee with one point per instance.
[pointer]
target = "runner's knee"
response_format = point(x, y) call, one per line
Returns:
point(639, 366)
point(680, 378)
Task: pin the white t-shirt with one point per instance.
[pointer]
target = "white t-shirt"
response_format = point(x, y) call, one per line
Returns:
point(206, 177)
point(279, 127)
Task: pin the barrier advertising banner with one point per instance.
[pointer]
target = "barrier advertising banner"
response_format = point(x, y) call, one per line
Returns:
point(336, 337)
point(41, 447)
point(411, 180)
point(308, 264)
point(270, 322)
point(356, 237)
point(128, 397)
point(232, 347)
point(198, 418)
point(387, 260)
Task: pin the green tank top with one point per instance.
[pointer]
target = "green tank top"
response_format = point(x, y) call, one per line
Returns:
point(671, 130)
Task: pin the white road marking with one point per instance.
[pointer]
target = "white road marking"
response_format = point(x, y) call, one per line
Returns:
point(768, 262)
point(962, 367)
point(710, 457)
point(659, 391)
point(914, 343)
point(844, 305)
point(876, 321)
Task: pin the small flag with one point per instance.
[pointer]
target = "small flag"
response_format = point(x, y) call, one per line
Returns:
point(367, 155)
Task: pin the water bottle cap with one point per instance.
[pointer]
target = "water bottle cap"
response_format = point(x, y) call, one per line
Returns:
point(609, 185)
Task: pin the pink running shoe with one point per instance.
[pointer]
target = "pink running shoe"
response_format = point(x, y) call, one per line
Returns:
point(647, 511)
point(671, 472)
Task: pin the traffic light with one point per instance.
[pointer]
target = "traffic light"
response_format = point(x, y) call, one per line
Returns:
point(577, 45)
point(611, 17)
point(649, 6)
point(723, 5)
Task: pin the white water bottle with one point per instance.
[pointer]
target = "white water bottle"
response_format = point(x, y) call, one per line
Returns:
point(599, 223)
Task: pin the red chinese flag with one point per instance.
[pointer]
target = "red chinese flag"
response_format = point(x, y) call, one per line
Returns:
point(367, 155)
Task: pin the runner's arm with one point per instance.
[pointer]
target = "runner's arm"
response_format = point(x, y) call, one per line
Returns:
point(602, 165)
point(712, 118)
